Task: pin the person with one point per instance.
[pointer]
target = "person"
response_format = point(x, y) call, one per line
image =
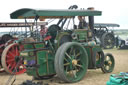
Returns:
point(82, 22)
point(43, 30)
point(117, 41)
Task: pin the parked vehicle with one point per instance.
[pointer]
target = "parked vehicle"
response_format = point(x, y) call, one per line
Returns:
point(65, 52)
point(105, 35)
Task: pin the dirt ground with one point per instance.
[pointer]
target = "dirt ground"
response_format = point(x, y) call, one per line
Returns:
point(93, 77)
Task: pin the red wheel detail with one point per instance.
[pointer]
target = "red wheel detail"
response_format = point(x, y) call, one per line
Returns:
point(9, 62)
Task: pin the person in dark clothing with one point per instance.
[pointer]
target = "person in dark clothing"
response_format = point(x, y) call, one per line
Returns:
point(82, 22)
point(122, 43)
point(117, 42)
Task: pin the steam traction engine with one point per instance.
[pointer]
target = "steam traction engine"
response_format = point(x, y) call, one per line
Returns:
point(63, 51)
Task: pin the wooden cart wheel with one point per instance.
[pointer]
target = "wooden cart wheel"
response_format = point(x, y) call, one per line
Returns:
point(11, 61)
point(71, 62)
point(109, 63)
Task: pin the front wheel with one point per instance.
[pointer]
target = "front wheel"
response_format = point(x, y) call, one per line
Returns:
point(109, 63)
point(71, 62)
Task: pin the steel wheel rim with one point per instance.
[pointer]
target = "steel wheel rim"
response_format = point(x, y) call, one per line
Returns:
point(9, 59)
point(108, 63)
point(76, 68)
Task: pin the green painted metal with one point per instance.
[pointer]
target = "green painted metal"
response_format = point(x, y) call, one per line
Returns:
point(97, 48)
point(45, 60)
point(91, 48)
point(90, 43)
point(82, 34)
point(31, 13)
point(39, 45)
point(89, 52)
point(30, 70)
point(58, 38)
point(99, 55)
point(28, 46)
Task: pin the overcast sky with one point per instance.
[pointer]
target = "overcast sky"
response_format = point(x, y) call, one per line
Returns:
point(113, 11)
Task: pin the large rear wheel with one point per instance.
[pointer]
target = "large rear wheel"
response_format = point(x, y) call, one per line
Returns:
point(71, 62)
point(108, 40)
point(11, 61)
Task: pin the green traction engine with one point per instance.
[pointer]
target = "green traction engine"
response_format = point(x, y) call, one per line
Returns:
point(65, 51)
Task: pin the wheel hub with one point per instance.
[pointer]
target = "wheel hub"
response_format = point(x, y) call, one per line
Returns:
point(109, 63)
point(74, 62)
point(109, 40)
point(17, 58)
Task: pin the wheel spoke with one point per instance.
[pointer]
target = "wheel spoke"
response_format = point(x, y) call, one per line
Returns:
point(74, 52)
point(12, 66)
point(78, 54)
point(8, 66)
point(15, 70)
point(71, 49)
point(107, 58)
point(66, 60)
point(16, 51)
point(68, 56)
point(13, 49)
point(74, 74)
point(10, 57)
point(66, 64)
point(9, 60)
point(66, 69)
point(107, 67)
point(11, 53)
point(78, 65)
point(76, 68)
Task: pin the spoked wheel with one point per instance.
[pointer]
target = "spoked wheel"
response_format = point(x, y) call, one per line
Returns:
point(11, 61)
point(71, 62)
point(109, 63)
point(108, 40)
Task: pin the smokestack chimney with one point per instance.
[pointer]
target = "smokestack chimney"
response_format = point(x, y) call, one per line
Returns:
point(91, 21)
